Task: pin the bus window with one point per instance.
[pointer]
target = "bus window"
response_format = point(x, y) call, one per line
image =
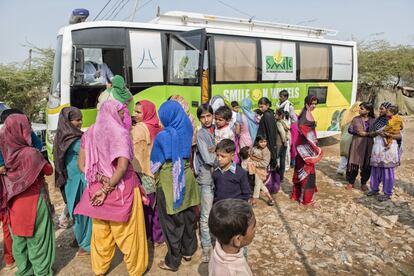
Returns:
point(319, 92)
point(278, 60)
point(99, 67)
point(341, 63)
point(314, 61)
point(183, 62)
point(235, 58)
point(100, 64)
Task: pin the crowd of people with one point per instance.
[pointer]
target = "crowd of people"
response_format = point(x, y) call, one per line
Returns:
point(153, 177)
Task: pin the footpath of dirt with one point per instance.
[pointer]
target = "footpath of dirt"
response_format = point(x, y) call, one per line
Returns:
point(350, 234)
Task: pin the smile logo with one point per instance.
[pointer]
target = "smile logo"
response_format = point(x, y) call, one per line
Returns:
point(278, 63)
point(256, 94)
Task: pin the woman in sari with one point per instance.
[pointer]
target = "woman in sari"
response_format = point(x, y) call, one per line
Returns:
point(112, 197)
point(383, 160)
point(359, 156)
point(177, 190)
point(246, 124)
point(66, 148)
point(25, 196)
point(308, 154)
point(143, 134)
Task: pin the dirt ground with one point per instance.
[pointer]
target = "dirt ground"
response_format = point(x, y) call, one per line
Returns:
point(339, 238)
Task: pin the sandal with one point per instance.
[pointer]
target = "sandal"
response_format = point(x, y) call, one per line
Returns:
point(271, 202)
point(163, 266)
point(349, 187)
point(187, 258)
point(372, 193)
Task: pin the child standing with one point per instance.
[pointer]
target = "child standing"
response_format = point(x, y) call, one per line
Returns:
point(230, 180)
point(204, 162)
point(235, 108)
point(259, 161)
point(282, 141)
point(394, 125)
point(222, 117)
point(233, 223)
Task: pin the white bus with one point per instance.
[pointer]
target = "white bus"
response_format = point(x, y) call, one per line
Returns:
point(200, 56)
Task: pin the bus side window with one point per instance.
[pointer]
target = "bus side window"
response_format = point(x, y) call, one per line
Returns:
point(95, 70)
point(183, 63)
point(319, 92)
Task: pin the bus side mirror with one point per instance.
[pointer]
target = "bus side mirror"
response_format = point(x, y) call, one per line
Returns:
point(79, 61)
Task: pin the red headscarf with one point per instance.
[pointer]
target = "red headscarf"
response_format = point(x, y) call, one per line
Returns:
point(150, 118)
point(22, 161)
point(305, 111)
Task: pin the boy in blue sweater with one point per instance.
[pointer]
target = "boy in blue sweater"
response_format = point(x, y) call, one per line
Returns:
point(230, 180)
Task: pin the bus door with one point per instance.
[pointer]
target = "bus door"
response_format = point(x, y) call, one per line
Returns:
point(185, 66)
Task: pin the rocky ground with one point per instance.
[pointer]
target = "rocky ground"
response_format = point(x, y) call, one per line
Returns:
point(350, 234)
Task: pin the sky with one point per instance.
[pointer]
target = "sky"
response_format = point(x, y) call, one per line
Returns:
point(37, 22)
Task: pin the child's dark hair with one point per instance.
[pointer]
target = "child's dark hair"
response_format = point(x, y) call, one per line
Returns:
point(226, 145)
point(258, 139)
point(264, 100)
point(281, 112)
point(369, 107)
point(204, 108)
point(244, 153)
point(284, 93)
point(229, 218)
point(224, 112)
point(234, 104)
point(394, 109)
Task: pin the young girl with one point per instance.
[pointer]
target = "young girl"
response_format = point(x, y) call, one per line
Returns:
point(259, 161)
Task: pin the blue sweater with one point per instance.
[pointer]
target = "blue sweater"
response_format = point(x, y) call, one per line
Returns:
point(36, 143)
point(231, 184)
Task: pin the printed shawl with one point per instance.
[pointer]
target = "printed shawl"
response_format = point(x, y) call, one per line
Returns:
point(23, 162)
point(306, 144)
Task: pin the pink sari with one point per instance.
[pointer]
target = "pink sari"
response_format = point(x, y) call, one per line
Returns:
point(104, 142)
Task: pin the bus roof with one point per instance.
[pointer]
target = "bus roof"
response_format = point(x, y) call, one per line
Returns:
point(185, 21)
point(179, 18)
